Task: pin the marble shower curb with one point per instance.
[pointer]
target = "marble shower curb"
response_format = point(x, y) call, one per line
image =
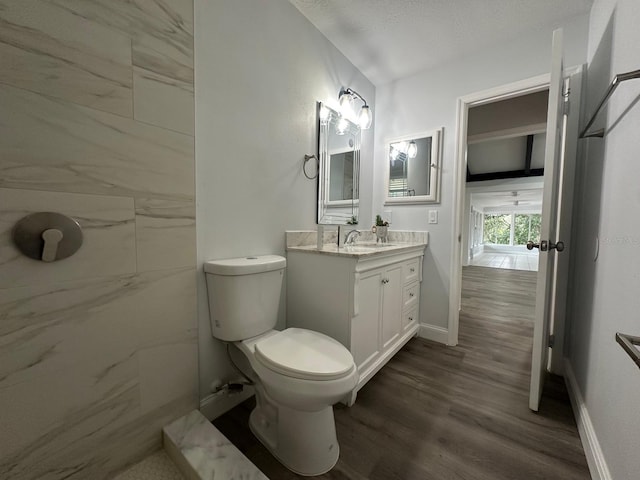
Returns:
point(202, 452)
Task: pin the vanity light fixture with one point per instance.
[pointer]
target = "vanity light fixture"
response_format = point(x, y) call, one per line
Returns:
point(409, 149)
point(346, 97)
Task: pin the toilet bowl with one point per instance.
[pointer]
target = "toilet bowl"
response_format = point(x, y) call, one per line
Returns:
point(298, 374)
point(301, 374)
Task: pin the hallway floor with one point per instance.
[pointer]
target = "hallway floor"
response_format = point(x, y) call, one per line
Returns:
point(438, 413)
point(510, 261)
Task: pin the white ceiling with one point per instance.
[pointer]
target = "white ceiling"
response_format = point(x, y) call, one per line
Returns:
point(391, 39)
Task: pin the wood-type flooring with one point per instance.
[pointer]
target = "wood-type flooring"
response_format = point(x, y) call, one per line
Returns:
point(438, 412)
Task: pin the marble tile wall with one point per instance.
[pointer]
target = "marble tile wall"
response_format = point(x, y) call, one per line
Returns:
point(98, 351)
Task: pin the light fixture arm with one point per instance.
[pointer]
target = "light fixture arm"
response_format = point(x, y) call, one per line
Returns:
point(350, 91)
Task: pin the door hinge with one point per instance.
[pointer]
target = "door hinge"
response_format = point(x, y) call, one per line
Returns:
point(552, 340)
point(566, 92)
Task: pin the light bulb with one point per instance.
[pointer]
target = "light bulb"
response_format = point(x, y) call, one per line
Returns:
point(365, 118)
point(412, 149)
point(346, 105)
point(342, 126)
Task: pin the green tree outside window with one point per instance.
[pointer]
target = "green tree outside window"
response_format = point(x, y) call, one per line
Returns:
point(497, 228)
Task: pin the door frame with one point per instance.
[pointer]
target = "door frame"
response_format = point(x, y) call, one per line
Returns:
point(503, 92)
point(516, 89)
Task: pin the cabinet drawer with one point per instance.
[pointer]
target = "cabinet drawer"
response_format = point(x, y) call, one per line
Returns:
point(411, 270)
point(411, 295)
point(409, 317)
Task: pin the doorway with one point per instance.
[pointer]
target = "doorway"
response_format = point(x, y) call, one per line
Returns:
point(462, 207)
point(504, 181)
point(504, 184)
point(492, 123)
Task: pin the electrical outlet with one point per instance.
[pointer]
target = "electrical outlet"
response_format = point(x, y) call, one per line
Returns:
point(388, 216)
point(433, 216)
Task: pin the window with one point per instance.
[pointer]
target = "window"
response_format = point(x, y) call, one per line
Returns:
point(511, 228)
point(525, 228)
point(497, 229)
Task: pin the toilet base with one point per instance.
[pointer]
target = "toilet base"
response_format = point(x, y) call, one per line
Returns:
point(304, 442)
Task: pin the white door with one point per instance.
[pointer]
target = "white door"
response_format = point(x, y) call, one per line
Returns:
point(545, 288)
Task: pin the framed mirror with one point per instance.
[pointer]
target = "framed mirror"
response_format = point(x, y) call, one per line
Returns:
point(338, 181)
point(413, 166)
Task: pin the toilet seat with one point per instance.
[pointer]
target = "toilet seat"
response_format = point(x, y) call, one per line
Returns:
point(304, 354)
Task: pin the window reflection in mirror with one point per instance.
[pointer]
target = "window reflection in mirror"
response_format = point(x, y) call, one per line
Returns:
point(339, 153)
point(412, 169)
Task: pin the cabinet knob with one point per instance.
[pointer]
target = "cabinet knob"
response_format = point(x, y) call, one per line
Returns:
point(385, 281)
point(411, 319)
point(412, 270)
point(411, 294)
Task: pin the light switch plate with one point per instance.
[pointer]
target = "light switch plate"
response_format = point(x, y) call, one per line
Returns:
point(433, 216)
point(388, 216)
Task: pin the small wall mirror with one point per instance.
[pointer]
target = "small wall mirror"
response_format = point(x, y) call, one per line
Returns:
point(413, 166)
point(339, 154)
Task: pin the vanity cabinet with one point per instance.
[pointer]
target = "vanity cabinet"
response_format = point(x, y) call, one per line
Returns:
point(370, 304)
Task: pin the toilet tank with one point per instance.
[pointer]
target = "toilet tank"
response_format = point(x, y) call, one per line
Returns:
point(244, 295)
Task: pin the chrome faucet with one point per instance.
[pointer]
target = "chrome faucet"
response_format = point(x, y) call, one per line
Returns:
point(350, 239)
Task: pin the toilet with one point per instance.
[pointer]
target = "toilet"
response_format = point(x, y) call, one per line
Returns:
point(298, 374)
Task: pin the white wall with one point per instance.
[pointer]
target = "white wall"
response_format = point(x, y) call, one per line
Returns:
point(605, 291)
point(260, 69)
point(428, 100)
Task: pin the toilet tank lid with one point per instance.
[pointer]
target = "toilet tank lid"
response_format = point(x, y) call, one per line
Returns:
point(245, 265)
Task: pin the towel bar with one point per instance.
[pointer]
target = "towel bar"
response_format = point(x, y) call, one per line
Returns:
point(629, 344)
point(619, 78)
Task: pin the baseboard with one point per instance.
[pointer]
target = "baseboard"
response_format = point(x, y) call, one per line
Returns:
point(593, 452)
point(213, 406)
point(431, 332)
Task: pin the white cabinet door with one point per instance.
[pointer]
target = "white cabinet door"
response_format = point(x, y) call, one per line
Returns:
point(365, 327)
point(392, 300)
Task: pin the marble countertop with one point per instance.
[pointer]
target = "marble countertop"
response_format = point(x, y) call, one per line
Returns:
point(359, 250)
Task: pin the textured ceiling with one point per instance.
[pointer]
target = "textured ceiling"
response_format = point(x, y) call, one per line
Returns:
point(391, 39)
